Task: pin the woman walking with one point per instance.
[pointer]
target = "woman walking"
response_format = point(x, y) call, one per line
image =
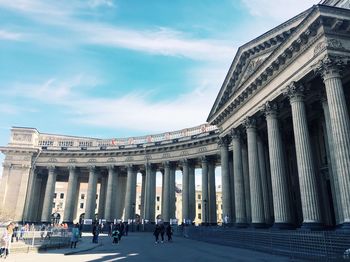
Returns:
point(75, 236)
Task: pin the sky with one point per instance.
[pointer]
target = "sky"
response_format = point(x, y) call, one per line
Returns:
point(111, 69)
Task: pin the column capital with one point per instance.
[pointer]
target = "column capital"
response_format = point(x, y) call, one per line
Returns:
point(329, 67)
point(71, 168)
point(110, 167)
point(270, 109)
point(249, 122)
point(131, 168)
point(204, 159)
point(295, 91)
point(224, 141)
point(51, 168)
point(92, 168)
point(235, 133)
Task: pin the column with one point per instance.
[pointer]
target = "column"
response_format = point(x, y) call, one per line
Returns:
point(281, 201)
point(91, 194)
point(172, 192)
point(153, 195)
point(264, 181)
point(212, 193)
point(166, 192)
point(49, 191)
point(225, 177)
point(111, 185)
point(185, 190)
point(130, 196)
point(205, 194)
point(245, 167)
point(30, 195)
point(102, 198)
point(240, 207)
point(71, 193)
point(150, 193)
point(143, 176)
point(256, 197)
point(307, 179)
point(340, 123)
point(191, 192)
point(331, 163)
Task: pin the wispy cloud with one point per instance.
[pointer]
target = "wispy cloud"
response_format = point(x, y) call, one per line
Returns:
point(277, 9)
point(7, 35)
point(99, 3)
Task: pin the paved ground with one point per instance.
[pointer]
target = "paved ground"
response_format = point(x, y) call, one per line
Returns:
point(141, 247)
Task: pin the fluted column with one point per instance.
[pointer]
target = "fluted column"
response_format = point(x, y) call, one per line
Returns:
point(256, 196)
point(281, 201)
point(185, 190)
point(143, 175)
point(205, 194)
point(91, 194)
point(172, 206)
point(153, 195)
point(27, 215)
point(166, 192)
point(245, 168)
point(225, 177)
point(49, 191)
point(102, 198)
point(340, 123)
point(111, 185)
point(71, 193)
point(240, 207)
point(130, 196)
point(307, 179)
point(150, 193)
point(212, 193)
point(191, 192)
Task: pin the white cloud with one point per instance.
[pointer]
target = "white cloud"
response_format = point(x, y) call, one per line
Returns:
point(6, 35)
point(98, 3)
point(277, 9)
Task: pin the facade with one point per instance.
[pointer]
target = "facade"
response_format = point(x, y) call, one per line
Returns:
point(279, 128)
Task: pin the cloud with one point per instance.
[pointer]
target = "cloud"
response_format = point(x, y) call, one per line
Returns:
point(6, 35)
point(99, 3)
point(277, 9)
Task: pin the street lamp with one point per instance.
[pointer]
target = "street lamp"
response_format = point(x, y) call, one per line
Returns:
point(133, 217)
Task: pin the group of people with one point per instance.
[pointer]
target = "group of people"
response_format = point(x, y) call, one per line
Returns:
point(160, 230)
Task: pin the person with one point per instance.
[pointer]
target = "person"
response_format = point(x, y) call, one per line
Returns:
point(6, 240)
point(75, 236)
point(169, 232)
point(126, 229)
point(42, 231)
point(95, 234)
point(115, 235)
point(156, 233)
point(162, 231)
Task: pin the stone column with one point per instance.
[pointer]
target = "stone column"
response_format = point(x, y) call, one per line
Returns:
point(172, 193)
point(49, 191)
point(150, 193)
point(166, 192)
point(241, 216)
point(256, 195)
point(340, 123)
point(91, 194)
point(246, 183)
point(102, 197)
point(264, 182)
point(71, 193)
point(205, 194)
point(153, 195)
point(331, 163)
point(281, 201)
point(27, 215)
point(307, 179)
point(143, 175)
point(212, 219)
point(111, 185)
point(225, 177)
point(130, 196)
point(191, 192)
point(185, 189)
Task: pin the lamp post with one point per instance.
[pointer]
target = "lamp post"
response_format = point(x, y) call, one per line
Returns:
point(133, 217)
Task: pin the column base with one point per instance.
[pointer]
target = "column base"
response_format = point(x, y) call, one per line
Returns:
point(241, 225)
point(312, 226)
point(283, 226)
point(259, 225)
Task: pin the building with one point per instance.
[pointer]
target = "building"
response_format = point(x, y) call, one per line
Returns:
point(279, 128)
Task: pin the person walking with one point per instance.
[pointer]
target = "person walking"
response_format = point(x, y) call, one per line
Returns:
point(115, 235)
point(75, 236)
point(126, 229)
point(169, 232)
point(95, 233)
point(156, 233)
point(6, 241)
point(162, 231)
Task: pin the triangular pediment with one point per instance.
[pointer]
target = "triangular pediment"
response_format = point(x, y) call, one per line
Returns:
point(251, 56)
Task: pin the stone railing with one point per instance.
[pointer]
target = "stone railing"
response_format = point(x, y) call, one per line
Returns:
point(48, 141)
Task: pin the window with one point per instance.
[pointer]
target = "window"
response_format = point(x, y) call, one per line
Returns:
point(198, 196)
point(53, 204)
point(96, 196)
point(139, 207)
point(221, 206)
point(55, 195)
point(81, 205)
point(82, 196)
point(61, 195)
point(199, 216)
point(199, 206)
point(157, 207)
point(175, 199)
point(158, 198)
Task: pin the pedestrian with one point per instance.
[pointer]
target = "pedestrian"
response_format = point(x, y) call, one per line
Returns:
point(162, 231)
point(169, 232)
point(115, 236)
point(6, 241)
point(75, 236)
point(156, 233)
point(95, 233)
point(42, 231)
point(126, 229)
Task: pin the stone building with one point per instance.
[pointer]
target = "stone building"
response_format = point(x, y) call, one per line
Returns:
point(279, 128)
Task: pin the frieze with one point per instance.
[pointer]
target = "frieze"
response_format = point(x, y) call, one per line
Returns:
point(92, 160)
point(166, 155)
point(202, 149)
point(111, 160)
point(129, 158)
point(72, 160)
point(328, 44)
point(52, 160)
point(22, 137)
point(184, 153)
point(148, 157)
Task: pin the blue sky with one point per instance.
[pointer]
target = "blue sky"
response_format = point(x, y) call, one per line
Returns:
point(105, 68)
